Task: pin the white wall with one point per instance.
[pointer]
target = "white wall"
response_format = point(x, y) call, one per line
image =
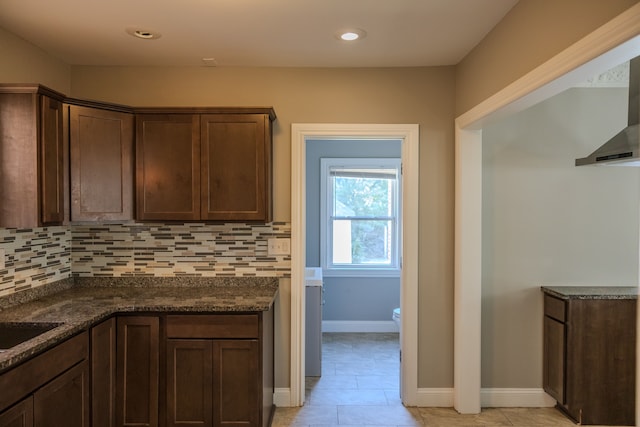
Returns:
point(547, 222)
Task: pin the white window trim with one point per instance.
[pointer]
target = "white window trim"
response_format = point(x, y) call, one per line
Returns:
point(325, 240)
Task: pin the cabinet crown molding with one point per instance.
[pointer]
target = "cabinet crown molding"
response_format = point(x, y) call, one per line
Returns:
point(31, 88)
point(41, 89)
point(207, 110)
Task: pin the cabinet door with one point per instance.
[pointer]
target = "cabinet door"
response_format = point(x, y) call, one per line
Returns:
point(168, 167)
point(137, 371)
point(51, 161)
point(236, 173)
point(101, 147)
point(20, 415)
point(189, 383)
point(19, 161)
point(103, 374)
point(31, 159)
point(65, 400)
point(601, 361)
point(236, 383)
point(554, 359)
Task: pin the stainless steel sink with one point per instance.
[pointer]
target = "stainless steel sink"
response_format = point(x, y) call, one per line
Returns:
point(12, 334)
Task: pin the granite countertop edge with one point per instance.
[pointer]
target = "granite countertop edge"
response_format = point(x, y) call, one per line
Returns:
point(591, 292)
point(78, 303)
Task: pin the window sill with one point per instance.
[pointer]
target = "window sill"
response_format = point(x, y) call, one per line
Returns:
point(386, 273)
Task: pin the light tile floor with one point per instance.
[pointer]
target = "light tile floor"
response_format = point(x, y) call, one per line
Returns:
point(360, 387)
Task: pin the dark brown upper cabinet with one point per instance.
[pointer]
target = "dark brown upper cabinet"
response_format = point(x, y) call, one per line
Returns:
point(168, 167)
point(235, 171)
point(204, 164)
point(64, 159)
point(31, 156)
point(101, 166)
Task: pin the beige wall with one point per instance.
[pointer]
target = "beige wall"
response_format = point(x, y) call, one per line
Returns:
point(22, 62)
point(530, 34)
point(398, 95)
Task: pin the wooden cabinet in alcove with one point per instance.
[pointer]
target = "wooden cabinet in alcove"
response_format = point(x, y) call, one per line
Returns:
point(589, 354)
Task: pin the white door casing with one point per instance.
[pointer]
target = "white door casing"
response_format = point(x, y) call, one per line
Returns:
point(613, 43)
point(409, 134)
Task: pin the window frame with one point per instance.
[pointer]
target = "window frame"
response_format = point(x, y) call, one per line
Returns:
point(326, 208)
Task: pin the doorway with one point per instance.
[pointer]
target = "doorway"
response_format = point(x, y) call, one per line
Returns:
point(409, 137)
point(353, 218)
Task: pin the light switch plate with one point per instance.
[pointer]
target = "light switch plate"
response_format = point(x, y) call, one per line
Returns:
point(2, 254)
point(279, 246)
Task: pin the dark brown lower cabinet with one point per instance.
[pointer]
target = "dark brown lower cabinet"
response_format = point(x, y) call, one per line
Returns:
point(189, 383)
point(62, 402)
point(589, 358)
point(20, 415)
point(236, 383)
point(51, 389)
point(212, 383)
point(219, 370)
point(218, 373)
point(103, 374)
point(554, 360)
point(138, 354)
point(65, 400)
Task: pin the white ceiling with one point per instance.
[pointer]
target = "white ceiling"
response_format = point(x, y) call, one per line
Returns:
point(271, 33)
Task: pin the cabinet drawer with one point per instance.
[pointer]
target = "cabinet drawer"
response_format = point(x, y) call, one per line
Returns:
point(554, 308)
point(213, 326)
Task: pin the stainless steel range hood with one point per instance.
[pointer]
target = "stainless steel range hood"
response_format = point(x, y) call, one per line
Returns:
point(624, 148)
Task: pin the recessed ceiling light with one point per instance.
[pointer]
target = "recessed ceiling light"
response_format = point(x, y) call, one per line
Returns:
point(351, 35)
point(143, 34)
point(210, 62)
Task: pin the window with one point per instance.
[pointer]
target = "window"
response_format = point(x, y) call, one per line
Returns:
point(360, 216)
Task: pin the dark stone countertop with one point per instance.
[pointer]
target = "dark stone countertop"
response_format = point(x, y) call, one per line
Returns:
point(592, 292)
point(76, 304)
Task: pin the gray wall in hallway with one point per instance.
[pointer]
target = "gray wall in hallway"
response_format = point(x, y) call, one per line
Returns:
point(347, 298)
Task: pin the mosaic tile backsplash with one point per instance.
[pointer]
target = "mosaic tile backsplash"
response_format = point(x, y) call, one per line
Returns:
point(35, 257)
point(178, 249)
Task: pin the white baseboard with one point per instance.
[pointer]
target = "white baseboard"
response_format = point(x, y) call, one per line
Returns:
point(425, 397)
point(443, 398)
point(359, 326)
point(515, 398)
point(282, 397)
point(434, 397)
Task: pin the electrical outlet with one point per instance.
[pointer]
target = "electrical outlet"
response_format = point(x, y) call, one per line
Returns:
point(2, 259)
point(279, 246)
